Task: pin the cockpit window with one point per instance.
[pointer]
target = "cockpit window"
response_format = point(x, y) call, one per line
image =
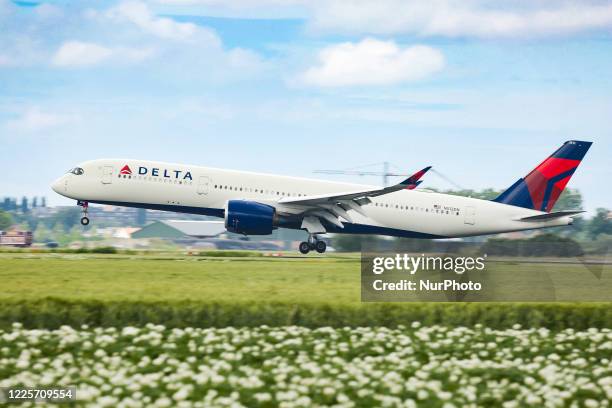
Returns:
point(76, 171)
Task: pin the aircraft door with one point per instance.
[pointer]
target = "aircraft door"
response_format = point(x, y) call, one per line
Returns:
point(470, 215)
point(107, 174)
point(203, 185)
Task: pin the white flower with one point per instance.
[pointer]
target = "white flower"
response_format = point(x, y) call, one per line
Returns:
point(533, 399)
point(130, 331)
point(422, 394)
point(263, 397)
point(329, 391)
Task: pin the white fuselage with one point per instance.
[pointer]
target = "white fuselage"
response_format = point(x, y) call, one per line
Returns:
point(202, 190)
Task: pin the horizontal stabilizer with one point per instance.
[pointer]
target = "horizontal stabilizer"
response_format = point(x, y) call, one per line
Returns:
point(550, 216)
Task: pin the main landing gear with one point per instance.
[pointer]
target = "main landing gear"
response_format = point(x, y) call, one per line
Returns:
point(85, 206)
point(313, 244)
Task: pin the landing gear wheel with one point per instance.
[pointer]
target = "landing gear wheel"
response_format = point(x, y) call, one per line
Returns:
point(84, 211)
point(321, 246)
point(304, 247)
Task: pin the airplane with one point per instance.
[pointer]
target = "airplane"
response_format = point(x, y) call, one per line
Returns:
point(257, 204)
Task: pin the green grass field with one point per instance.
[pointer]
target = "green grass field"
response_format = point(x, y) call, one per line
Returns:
point(155, 278)
point(47, 290)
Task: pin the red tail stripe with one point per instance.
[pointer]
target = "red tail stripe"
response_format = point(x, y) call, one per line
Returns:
point(553, 166)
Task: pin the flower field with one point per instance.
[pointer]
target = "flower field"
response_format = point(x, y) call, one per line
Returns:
point(294, 366)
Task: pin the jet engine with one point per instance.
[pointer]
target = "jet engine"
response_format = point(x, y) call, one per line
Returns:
point(249, 217)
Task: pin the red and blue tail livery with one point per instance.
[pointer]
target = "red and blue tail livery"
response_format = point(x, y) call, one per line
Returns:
point(541, 188)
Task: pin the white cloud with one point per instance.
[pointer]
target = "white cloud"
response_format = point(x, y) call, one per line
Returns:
point(76, 53)
point(453, 18)
point(129, 32)
point(121, 34)
point(372, 62)
point(139, 14)
point(245, 59)
point(34, 120)
point(82, 54)
point(478, 18)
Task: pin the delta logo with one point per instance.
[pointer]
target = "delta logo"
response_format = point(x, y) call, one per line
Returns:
point(157, 172)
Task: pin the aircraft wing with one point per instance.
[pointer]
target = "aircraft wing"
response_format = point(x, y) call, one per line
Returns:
point(335, 206)
point(551, 216)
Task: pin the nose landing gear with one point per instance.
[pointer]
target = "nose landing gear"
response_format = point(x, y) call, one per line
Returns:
point(313, 244)
point(85, 206)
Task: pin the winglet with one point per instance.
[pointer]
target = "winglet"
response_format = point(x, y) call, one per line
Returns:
point(413, 182)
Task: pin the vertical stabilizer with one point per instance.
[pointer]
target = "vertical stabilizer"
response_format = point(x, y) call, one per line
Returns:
point(541, 188)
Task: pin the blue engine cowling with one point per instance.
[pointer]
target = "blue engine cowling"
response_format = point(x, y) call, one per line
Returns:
point(249, 217)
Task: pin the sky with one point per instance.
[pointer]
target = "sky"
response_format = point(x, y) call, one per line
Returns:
point(481, 90)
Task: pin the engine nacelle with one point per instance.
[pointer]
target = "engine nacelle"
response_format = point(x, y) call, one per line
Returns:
point(249, 217)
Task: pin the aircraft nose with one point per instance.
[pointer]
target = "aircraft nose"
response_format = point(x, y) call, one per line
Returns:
point(59, 185)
